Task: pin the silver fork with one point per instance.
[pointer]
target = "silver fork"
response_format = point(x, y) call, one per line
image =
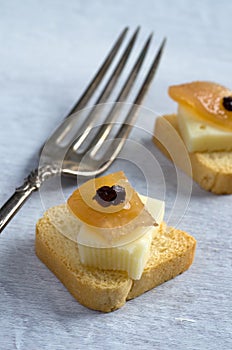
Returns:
point(59, 159)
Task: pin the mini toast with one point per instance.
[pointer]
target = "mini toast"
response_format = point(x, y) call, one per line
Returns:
point(204, 124)
point(172, 253)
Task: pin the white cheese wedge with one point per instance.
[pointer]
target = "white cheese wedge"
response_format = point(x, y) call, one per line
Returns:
point(199, 136)
point(130, 257)
point(130, 254)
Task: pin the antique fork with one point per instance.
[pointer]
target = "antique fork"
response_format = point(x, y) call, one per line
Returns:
point(60, 159)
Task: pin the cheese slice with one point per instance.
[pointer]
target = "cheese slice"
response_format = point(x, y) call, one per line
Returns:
point(131, 257)
point(129, 253)
point(199, 136)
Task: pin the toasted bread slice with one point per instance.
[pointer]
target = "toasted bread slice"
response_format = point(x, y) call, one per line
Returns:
point(172, 253)
point(211, 170)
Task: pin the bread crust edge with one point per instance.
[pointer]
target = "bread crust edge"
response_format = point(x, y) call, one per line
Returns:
point(105, 300)
point(110, 298)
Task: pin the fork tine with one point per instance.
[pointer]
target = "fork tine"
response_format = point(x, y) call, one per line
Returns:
point(118, 70)
point(87, 94)
point(62, 131)
point(122, 96)
point(125, 129)
point(88, 123)
point(132, 115)
point(134, 72)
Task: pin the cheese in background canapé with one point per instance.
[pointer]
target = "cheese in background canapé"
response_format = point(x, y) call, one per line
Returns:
point(198, 135)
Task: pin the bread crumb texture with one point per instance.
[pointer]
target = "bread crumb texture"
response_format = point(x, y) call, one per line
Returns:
point(220, 161)
point(172, 252)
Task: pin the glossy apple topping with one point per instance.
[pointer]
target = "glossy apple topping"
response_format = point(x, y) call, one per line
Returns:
point(209, 100)
point(84, 206)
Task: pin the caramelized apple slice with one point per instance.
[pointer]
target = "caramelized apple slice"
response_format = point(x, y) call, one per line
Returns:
point(207, 99)
point(83, 205)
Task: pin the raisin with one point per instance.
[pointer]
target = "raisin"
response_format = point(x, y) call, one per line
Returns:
point(227, 103)
point(106, 195)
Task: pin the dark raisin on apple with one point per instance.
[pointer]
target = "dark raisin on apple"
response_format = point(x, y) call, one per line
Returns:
point(227, 103)
point(106, 195)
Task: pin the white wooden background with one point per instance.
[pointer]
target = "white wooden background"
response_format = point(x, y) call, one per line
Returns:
point(48, 52)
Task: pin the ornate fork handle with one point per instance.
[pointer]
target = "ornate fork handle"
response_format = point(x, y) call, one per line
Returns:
point(32, 183)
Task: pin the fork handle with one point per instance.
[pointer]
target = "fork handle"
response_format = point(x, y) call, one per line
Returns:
point(14, 203)
point(31, 183)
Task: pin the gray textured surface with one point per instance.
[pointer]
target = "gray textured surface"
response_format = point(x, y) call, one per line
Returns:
point(49, 50)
